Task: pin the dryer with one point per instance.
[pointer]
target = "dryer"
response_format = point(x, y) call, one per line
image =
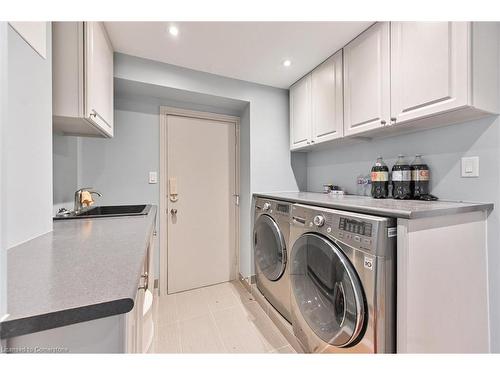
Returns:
point(271, 252)
point(342, 273)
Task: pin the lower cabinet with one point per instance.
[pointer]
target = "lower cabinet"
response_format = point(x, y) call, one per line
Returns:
point(139, 334)
point(442, 284)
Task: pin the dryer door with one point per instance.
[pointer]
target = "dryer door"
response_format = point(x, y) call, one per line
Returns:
point(327, 290)
point(269, 248)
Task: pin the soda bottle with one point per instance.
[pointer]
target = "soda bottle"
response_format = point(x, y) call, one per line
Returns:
point(380, 179)
point(420, 177)
point(401, 179)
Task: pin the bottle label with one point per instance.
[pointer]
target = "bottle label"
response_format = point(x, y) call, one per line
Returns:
point(380, 176)
point(401, 175)
point(420, 175)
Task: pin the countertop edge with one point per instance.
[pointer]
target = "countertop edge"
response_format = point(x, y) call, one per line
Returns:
point(474, 206)
point(56, 319)
point(24, 325)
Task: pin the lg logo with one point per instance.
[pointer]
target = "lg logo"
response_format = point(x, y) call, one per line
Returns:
point(369, 263)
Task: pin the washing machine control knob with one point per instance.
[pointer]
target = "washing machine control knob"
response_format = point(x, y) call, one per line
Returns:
point(319, 220)
point(266, 206)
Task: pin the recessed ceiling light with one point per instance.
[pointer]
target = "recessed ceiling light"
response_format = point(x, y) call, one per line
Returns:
point(287, 63)
point(173, 30)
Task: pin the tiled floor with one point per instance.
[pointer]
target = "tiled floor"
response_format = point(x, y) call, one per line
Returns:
point(222, 318)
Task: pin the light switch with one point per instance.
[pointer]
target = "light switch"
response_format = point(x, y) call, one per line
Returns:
point(470, 166)
point(153, 178)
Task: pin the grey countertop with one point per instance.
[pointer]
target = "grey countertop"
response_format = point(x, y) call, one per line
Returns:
point(406, 209)
point(84, 269)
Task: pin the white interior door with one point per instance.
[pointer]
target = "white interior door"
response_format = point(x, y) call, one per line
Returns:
point(201, 207)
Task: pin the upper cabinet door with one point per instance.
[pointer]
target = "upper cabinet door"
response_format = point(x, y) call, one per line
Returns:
point(367, 80)
point(300, 113)
point(429, 68)
point(99, 77)
point(327, 100)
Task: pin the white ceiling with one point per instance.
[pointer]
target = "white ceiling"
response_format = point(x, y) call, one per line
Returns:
point(250, 51)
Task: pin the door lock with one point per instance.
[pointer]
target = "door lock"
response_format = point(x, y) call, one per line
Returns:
point(173, 211)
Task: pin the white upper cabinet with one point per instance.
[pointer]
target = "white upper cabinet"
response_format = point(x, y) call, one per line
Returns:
point(327, 100)
point(99, 77)
point(433, 69)
point(82, 79)
point(396, 78)
point(367, 80)
point(300, 113)
point(429, 68)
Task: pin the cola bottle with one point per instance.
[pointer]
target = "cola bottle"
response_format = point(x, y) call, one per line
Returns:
point(401, 179)
point(420, 177)
point(380, 179)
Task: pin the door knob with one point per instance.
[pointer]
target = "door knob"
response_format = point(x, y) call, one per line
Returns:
point(173, 211)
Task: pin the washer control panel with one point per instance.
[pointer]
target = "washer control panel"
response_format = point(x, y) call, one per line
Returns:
point(364, 232)
point(360, 227)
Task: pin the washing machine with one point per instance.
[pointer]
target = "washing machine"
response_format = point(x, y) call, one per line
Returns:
point(343, 275)
point(271, 252)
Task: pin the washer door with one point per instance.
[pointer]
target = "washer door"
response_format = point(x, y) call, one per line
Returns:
point(269, 248)
point(327, 290)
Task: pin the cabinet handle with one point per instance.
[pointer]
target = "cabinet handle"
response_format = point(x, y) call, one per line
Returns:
point(308, 142)
point(312, 141)
point(383, 122)
point(393, 119)
point(95, 114)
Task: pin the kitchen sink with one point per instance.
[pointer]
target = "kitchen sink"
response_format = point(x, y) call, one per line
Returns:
point(108, 211)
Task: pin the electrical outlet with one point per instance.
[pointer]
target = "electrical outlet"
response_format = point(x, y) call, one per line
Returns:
point(153, 177)
point(470, 166)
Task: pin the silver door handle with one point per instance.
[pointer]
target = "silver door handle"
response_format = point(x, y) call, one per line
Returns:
point(173, 211)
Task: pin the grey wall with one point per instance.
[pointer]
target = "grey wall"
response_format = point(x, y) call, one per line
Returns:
point(65, 167)
point(442, 149)
point(3, 119)
point(27, 143)
point(119, 167)
point(271, 168)
point(246, 264)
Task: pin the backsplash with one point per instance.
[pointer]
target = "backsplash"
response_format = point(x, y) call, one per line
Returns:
point(442, 150)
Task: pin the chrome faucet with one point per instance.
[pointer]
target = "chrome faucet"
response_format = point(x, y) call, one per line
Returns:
point(78, 197)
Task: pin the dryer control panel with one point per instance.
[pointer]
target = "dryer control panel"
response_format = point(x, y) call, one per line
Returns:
point(273, 207)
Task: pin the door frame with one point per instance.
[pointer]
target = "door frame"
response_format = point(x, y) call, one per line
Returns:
point(163, 243)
